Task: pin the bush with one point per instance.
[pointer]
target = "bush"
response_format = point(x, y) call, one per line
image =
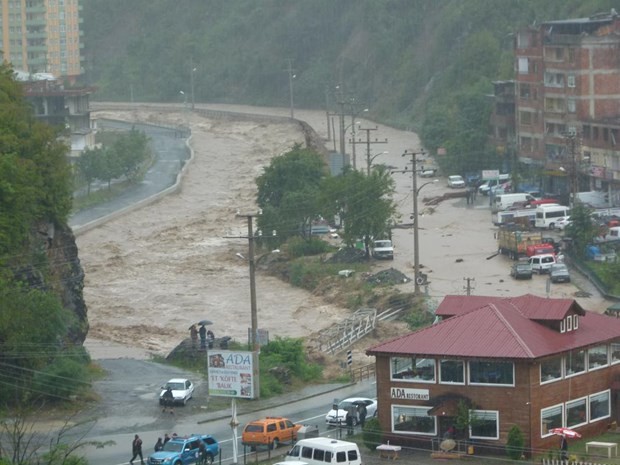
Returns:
point(372, 434)
point(515, 443)
point(298, 247)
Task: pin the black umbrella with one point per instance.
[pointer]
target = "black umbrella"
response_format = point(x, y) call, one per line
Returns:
point(205, 322)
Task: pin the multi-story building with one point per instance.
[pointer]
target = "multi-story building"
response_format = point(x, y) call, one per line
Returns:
point(42, 36)
point(568, 103)
point(494, 363)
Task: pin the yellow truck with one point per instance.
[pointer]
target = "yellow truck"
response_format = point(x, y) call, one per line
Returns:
point(514, 242)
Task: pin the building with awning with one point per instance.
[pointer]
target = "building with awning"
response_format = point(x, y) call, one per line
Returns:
point(492, 363)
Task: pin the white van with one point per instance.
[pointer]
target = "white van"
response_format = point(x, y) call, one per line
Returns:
point(504, 201)
point(548, 214)
point(542, 263)
point(319, 451)
point(488, 183)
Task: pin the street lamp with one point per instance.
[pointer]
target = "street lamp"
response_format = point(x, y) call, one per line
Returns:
point(369, 160)
point(353, 116)
point(191, 82)
point(416, 242)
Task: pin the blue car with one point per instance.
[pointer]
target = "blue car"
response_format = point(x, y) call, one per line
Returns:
point(186, 450)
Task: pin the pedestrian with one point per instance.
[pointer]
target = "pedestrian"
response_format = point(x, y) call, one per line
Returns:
point(468, 195)
point(202, 453)
point(136, 449)
point(193, 333)
point(349, 420)
point(563, 448)
point(166, 438)
point(159, 445)
point(203, 337)
point(362, 412)
point(210, 339)
point(168, 399)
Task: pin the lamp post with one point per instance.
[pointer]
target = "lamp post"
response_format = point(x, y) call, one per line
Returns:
point(191, 84)
point(369, 160)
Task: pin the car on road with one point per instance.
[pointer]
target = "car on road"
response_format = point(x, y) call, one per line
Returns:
point(337, 416)
point(521, 270)
point(428, 172)
point(186, 450)
point(561, 223)
point(270, 432)
point(456, 181)
point(182, 390)
point(558, 273)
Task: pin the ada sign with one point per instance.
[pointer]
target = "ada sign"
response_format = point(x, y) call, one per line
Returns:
point(410, 394)
point(231, 374)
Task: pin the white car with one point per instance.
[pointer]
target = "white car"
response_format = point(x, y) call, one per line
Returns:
point(456, 181)
point(182, 390)
point(338, 416)
point(561, 223)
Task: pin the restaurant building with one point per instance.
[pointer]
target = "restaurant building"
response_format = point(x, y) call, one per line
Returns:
point(534, 362)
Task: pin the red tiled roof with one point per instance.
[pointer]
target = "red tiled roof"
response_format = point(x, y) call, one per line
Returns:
point(501, 329)
point(534, 307)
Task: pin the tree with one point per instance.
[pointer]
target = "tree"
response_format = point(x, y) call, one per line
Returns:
point(364, 204)
point(581, 229)
point(287, 193)
point(515, 443)
point(131, 150)
point(89, 165)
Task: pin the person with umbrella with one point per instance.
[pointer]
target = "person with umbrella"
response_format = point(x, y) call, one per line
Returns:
point(563, 448)
point(193, 333)
point(203, 337)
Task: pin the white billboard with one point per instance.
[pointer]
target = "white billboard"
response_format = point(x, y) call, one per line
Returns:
point(231, 374)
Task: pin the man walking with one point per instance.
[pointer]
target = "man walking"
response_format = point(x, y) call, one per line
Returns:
point(136, 448)
point(203, 337)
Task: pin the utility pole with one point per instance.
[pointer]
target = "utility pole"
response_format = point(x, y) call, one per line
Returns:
point(469, 286)
point(571, 140)
point(291, 76)
point(192, 70)
point(340, 101)
point(368, 143)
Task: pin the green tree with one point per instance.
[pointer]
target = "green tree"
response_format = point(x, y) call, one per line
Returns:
point(364, 204)
point(287, 193)
point(515, 443)
point(131, 150)
point(89, 165)
point(582, 229)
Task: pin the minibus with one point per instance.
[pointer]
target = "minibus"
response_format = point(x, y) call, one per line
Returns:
point(547, 215)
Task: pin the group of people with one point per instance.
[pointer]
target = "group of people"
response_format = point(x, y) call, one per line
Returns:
point(207, 338)
point(136, 446)
point(352, 412)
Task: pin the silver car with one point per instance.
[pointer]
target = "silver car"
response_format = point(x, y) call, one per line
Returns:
point(559, 273)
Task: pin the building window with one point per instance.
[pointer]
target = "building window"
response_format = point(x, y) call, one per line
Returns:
point(499, 373)
point(554, 104)
point(615, 352)
point(600, 406)
point(571, 55)
point(597, 357)
point(524, 91)
point(570, 80)
point(484, 424)
point(571, 105)
point(575, 362)
point(452, 372)
point(523, 65)
point(413, 369)
point(415, 420)
point(554, 79)
point(525, 117)
point(576, 413)
point(551, 417)
point(551, 370)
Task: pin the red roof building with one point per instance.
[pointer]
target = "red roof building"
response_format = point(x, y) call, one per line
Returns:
point(492, 363)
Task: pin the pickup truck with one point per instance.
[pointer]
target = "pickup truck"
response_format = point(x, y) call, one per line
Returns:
point(382, 248)
point(185, 451)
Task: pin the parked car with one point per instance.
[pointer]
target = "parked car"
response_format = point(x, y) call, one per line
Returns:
point(270, 432)
point(337, 416)
point(182, 390)
point(559, 273)
point(185, 451)
point(521, 270)
point(542, 263)
point(561, 223)
point(456, 181)
point(428, 172)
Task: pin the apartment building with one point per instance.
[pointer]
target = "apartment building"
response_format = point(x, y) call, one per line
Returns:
point(567, 103)
point(42, 36)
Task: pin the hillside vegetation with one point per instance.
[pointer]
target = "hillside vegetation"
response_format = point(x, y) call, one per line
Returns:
point(420, 64)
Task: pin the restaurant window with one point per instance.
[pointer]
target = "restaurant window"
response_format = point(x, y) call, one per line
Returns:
point(452, 371)
point(551, 370)
point(484, 424)
point(551, 417)
point(600, 406)
point(413, 369)
point(487, 372)
point(413, 420)
point(575, 362)
point(615, 352)
point(576, 413)
point(597, 357)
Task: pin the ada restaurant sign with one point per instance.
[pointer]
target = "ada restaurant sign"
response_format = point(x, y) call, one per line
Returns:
point(231, 374)
point(410, 394)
